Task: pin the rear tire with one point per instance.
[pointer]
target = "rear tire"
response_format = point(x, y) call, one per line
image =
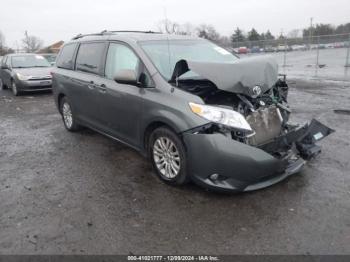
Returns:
point(2, 86)
point(168, 156)
point(68, 118)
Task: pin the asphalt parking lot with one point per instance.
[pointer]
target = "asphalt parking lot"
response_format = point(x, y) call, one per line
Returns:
point(82, 193)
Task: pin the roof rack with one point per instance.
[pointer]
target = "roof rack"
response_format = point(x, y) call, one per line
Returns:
point(81, 35)
point(135, 31)
point(104, 32)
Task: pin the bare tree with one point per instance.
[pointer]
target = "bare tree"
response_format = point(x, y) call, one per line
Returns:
point(208, 32)
point(31, 43)
point(187, 29)
point(170, 27)
point(224, 41)
point(167, 26)
point(295, 33)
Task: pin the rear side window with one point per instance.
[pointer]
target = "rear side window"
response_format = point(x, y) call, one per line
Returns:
point(66, 59)
point(89, 57)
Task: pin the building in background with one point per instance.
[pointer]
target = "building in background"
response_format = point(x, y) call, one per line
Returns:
point(54, 48)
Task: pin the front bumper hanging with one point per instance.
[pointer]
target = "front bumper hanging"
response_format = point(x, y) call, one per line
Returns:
point(224, 164)
point(304, 138)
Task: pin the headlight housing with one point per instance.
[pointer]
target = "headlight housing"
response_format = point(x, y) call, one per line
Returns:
point(22, 77)
point(222, 116)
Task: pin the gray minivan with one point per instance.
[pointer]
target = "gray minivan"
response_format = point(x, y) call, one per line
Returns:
point(197, 111)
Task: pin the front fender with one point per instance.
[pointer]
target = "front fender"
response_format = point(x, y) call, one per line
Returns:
point(176, 120)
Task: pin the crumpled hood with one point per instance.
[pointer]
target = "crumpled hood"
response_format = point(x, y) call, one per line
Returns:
point(239, 77)
point(34, 71)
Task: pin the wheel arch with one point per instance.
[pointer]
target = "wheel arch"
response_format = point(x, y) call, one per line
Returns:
point(150, 128)
point(60, 96)
point(175, 120)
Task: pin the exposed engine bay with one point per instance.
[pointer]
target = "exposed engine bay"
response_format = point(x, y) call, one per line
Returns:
point(264, 107)
point(267, 114)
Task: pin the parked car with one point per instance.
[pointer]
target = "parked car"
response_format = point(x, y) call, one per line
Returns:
point(339, 45)
point(299, 47)
point(25, 72)
point(255, 49)
point(321, 46)
point(269, 49)
point(51, 58)
point(330, 45)
point(283, 48)
point(199, 112)
point(313, 46)
point(242, 50)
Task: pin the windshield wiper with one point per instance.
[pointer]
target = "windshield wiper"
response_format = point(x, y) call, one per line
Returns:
point(189, 79)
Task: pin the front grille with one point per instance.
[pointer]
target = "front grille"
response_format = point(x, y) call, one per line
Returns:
point(39, 78)
point(40, 87)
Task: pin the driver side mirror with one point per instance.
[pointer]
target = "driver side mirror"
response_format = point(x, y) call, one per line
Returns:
point(4, 67)
point(126, 76)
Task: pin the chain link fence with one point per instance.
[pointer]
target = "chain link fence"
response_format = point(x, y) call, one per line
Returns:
point(324, 56)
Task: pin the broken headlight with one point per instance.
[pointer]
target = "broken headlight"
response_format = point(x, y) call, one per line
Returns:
point(222, 116)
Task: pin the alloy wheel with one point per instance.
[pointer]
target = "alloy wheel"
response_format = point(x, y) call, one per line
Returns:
point(67, 115)
point(14, 89)
point(166, 157)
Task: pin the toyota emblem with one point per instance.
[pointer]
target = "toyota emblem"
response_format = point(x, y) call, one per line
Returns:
point(256, 90)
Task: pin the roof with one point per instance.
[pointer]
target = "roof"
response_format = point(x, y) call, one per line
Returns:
point(48, 54)
point(21, 54)
point(131, 36)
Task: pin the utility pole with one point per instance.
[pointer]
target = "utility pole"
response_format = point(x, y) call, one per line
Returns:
point(17, 47)
point(347, 62)
point(318, 51)
point(310, 32)
point(284, 39)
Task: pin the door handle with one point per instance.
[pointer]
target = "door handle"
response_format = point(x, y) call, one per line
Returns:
point(91, 85)
point(102, 88)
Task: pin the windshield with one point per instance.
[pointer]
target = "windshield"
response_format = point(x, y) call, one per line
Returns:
point(190, 50)
point(50, 58)
point(29, 61)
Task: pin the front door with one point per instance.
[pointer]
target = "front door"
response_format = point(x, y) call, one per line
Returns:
point(121, 104)
point(6, 73)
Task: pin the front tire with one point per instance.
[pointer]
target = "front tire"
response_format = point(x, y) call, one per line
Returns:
point(68, 116)
point(168, 156)
point(14, 88)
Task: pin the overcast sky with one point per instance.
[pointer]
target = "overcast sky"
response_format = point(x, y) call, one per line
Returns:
point(62, 19)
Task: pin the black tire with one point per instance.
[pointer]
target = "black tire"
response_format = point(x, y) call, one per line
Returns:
point(14, 88)
point(182, 175)
point(70, 125)
point(2, 86)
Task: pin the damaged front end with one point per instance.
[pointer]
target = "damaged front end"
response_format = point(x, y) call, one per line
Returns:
point(245, 157)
